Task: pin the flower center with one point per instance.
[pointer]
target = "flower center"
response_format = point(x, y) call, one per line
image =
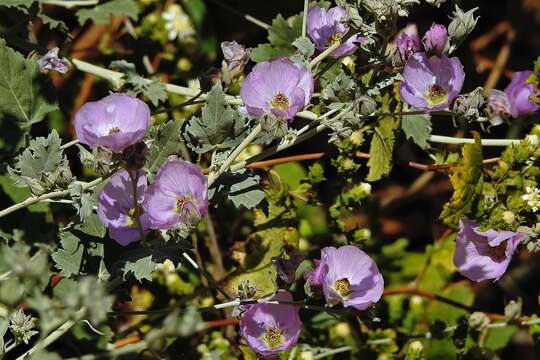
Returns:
point(343, 287)
point(436, 95)
point(180, 202)
point(334, 38)
point(280, 101)
point(498, 253)
point(114, 130)
point(132, 217)
point(273, 337)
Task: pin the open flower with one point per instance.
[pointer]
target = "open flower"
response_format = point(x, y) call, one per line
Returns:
point(518, 93)
point(431, 84)
point(278, 87)
point(114, 122)
point(325, 27)
point(350, 277)
point(177, 196)
point(271, 328)
point(482, 255)
point(435, 40)
point(177, 23)
point(116, 207)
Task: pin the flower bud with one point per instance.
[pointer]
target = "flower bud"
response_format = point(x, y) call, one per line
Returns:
point(246, 289)
point(467, 105)
point(364, 105)
point(461, 25)
point(435, 40)
point(415, 350)
point(236, 55)
point(498, 107)
point(478, 320)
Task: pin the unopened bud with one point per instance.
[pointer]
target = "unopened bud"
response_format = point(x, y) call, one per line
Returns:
point(509, 217)
point(364, 105)
point(246, 289)
point(462, 24)
point(478, 321)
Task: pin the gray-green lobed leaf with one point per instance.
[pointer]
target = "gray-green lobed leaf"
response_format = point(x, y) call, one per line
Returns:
point(101, 14)
point(417, 128)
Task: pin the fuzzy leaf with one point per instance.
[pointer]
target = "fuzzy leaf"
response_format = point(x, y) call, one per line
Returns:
point(219, 128)
point(141, 268)
point(305, 46)
point(136, 84)
point(382, 146)
point(166, 141)
point(281, 36)
point(417, 128)
point(467, 179)
point(76, 242)
point(241, 187)
point(101, 14)
point(22, 89)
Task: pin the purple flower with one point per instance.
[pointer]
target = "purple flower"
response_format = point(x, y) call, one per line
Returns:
point(286, 268)
point(325, 27)
point(407, 45)
point(435, 40)
point(271, 328)
point(278, 87)
point(236, 55)
point(51, 61)
point(316, 276)
point(351, 277)
point(116, 208)
point(518, 92)
point(498, 107)
point(431, 84)
point(482, 255)
point(114, 122)
point(177, 196)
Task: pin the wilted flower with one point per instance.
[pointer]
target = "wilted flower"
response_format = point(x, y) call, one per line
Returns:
point(278, 87)
point(532, 197)
point(482, 255)
point(468, 105)
point(435, 40)
point(270, 329)
point(51, 61)
point(498, 107)
point(177, 22)
point(519, 92)
point(431, 84)
point(286, 268)
point(177, 196)
point(462, 24)
point(326, 27)
point(116, 208)
point(114, 122)
point(407, 45)
point(350, 277)
point(236, 55)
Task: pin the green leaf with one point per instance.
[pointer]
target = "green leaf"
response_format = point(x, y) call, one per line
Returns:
point(417, 128)
point(382, 146)
point(241, 187)
point(101, 14)
point(219, 128)
point(282, 35)
point(42, 166)
point(136, 84)
point(498, 338)
point(460, 292)
point(166, 141)
point(141, 268)
point(305, 46)
point(22, 89)
point(78, 242)
point(467, 179)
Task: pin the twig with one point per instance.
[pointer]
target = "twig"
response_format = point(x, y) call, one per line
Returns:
point(429, 295)
point(485, 142)
point(248, 17)
point(136, 209)
point(304, 18)
point(332, 352)
point(203, 272)
point(68, 4)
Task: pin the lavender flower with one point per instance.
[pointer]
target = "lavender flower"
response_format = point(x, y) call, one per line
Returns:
point(519, 92)
point(316, 276)
point(431, 84)
point(435, 40)
point(270, 328)
point(114, 122)
point(177, 196)
point(350, 277)
point(482, 255)
point(116, 208)
point(325, 27)
point(51, 61)
point(286, 268)
point(407, 45)
point(278, 87)
point(498, 107)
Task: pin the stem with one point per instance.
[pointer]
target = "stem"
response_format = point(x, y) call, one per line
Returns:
point(203, 272)
point(333, 352)
point(55, 335)
point(485, 142)
point(304, 18)
point(116, 78)
point(324, 54)
point(69, 144)
point(429, 295)
point(225, 166)
point(136, 208)
point(68, 4)
point(55, 194)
